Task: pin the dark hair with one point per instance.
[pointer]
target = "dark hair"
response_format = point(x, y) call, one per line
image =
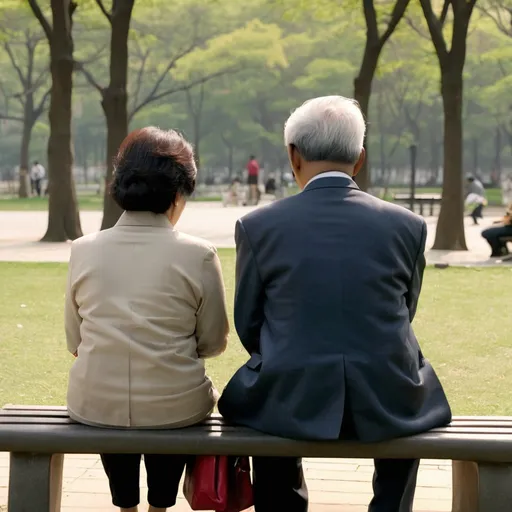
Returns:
point(152, 167)
point(252, 157)
point(471, 179)
point(36, 162)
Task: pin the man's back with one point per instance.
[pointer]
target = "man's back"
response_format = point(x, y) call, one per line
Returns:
point(326, 318)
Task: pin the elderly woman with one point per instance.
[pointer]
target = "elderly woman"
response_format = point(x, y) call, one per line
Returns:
point(145, 306)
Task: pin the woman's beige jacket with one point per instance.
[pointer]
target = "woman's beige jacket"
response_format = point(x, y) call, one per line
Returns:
point(145, 305)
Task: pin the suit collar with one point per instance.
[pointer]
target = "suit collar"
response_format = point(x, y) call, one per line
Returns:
point(332, 182)
point(148, 219)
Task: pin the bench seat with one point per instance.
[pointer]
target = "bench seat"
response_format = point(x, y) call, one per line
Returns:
point(480, 446)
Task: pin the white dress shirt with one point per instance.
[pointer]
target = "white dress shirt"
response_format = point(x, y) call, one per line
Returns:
point(329, 174)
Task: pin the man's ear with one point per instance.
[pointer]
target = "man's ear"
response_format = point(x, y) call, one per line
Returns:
point(360, 162)
point(294, 158)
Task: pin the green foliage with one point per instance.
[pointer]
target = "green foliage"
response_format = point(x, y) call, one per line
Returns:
point(228, 74)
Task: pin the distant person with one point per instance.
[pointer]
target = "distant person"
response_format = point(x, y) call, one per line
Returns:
point(37, 175)
point(497, 235)
point(232, 196)
point(145, 307)
point(327, 286)
point(476, 198)
point(253, 171)
point(270, 186)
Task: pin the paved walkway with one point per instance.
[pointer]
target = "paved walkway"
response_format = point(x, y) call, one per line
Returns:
point(19, 232)
point(334, 486)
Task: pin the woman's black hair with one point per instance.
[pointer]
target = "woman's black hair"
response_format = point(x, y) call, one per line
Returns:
point(152, 167)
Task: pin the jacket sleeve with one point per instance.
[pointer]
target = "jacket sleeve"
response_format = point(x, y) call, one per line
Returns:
point(212, 325)
point(413, 293)
point(72, 319)
point(249, 293)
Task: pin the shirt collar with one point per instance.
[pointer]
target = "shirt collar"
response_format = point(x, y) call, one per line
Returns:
point(144, 219)
point(329, 174)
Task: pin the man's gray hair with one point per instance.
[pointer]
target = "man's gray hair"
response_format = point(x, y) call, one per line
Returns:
point(329, 129)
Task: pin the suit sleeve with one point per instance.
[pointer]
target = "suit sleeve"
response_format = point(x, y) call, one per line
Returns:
point(212, 326)
point(72, 319)
point(249, 293)
point(413, 293)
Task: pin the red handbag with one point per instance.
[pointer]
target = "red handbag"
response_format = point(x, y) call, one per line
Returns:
point(218, 483)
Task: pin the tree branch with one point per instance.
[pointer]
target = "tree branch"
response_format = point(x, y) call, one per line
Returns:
point(180, 88)
point(103, 9)
point(42, 104)
point(396, 15)
point(11, 118)
point(138, 83)
point(21, 76)
point(495, 14)
point(88, 76)
point(444, 12)
point(41, 18)
point(370, 16)
point(435, 28)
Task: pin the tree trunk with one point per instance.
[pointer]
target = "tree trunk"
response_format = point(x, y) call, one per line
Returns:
point(434, 158)
point(63, 215)
point(28, 124)
point(450, 227)
point(362, 93)
point(115, 100)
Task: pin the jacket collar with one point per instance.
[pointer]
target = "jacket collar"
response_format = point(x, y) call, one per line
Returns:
point(334, 182)
point(148, 219)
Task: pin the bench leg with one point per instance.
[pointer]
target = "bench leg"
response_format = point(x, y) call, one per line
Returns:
point(481, 487)
point(495, 487)
point(35, 482)
point(464, 486)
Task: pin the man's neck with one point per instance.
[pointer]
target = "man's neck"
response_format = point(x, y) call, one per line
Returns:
point(312, 169)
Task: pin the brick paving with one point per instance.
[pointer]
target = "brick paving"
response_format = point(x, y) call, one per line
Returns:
point(334, 485)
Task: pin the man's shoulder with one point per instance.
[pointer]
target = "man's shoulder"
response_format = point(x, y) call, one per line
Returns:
point(270, 211)
point(396, 212)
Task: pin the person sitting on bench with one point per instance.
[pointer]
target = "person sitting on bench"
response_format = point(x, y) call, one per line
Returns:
point(144, 307)
point(498, 235)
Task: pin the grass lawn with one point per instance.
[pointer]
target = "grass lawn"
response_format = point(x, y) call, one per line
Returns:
point(463, 323)
point(87, 202)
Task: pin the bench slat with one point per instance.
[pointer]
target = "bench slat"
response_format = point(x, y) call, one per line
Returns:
point(76, 438)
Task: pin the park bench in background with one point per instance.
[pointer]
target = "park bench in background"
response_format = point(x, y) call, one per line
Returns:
point(37, 437)
point(419, 199)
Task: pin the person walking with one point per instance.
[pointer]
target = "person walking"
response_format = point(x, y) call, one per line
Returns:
point(253, 170)
point(145, 306)
point(476, 197)
point(327, 287)
point(37, 175)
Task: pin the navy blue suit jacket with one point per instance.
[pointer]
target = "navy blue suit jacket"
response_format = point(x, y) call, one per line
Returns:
point(327, 284)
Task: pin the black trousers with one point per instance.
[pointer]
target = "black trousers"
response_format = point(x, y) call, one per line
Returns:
point(497, 236)
point(477, 213)
point(279, 485)
point(163, 471)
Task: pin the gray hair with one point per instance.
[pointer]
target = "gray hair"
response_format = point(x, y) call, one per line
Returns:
point(329, 128)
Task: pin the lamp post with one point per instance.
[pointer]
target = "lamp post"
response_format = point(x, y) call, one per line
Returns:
point(412, 150)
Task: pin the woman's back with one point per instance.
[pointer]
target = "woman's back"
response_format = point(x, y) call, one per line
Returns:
point(140, 291)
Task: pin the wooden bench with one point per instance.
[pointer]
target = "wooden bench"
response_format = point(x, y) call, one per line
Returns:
point(420, 199)
point(36, 438)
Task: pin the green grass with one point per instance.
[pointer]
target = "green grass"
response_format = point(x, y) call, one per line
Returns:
point(463, 324)
point(87, 202)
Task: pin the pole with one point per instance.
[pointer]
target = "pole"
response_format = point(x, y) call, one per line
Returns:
point(412, 150)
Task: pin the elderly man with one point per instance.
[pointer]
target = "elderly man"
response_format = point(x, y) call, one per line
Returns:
point(327, 287)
